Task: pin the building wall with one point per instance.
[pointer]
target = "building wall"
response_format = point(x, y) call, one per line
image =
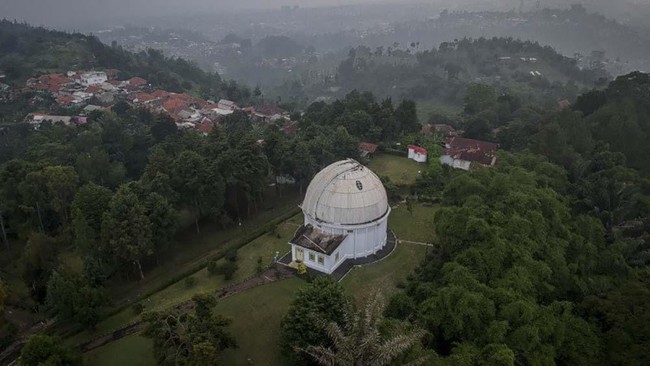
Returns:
point(361, 241)
point(455, 163)
point(420, 158)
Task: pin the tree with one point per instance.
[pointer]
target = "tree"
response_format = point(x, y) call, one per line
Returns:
point(42, 350)
point(88, 207)
point(479, 97)
point(198, 184)
point(359, 340)
point(126, 229)
point(322, 302)
point(162, 127)
point(406, 115)
point(61, 183)
point(189, 339)
point(72, 297)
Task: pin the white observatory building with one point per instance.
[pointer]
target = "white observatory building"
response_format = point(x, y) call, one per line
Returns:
point(346, 215)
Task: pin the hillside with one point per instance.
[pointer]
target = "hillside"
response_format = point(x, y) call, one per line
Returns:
point(26, 51)
point(442, 75)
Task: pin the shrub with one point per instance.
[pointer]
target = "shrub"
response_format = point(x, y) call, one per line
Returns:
point(260, 265)
point(400, 306)
point(137, 308)
point(231, 255)
point(213, 269)
point(228, 270)
point(190, 282)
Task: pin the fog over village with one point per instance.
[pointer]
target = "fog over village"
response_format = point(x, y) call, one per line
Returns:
point(324, 182)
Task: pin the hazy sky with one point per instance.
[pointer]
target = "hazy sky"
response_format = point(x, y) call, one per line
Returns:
point(58, 12)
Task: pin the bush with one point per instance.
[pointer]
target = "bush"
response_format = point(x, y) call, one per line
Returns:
point(137, 308)
point(190, 282)
point(228, 270)
point(260, 265)
point(231, 256)
point(213, 269)
point(400, 306)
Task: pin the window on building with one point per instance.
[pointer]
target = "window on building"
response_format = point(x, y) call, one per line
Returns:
point(312, 257)
point(359, 185)
point(337, 257)
point(321, 260)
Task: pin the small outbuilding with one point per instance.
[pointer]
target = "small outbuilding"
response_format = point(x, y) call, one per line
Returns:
point(417, 153)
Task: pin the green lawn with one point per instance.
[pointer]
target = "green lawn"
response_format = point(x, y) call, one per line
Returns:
point(362, 282)
point(256, 316)
point(414, 227)
point(400, 170)
point(133, 350)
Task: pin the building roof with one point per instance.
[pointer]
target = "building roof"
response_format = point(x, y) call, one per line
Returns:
point(347, 193)
point(269, 110)
point(137, 81)
point(317, 240)
point(477, 151)
point(368, 147)
point(418, 149)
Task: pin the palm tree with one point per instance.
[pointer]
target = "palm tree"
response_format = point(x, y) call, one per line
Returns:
point(359, 342)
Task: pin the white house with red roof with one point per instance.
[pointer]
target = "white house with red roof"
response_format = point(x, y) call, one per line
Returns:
point(462, 153)
point(417, 153)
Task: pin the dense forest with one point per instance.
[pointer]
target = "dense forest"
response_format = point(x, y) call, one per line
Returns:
point(443, 74)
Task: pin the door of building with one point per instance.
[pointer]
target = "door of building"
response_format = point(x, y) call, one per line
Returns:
point(300, 255)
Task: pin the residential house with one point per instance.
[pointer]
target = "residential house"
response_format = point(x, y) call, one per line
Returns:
point(417, 153)
point(92, 78)
point(462, 153)
point(439, 130)
point(227, 105)
point(367, 149)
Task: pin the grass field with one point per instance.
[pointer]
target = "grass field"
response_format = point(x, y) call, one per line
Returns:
point(256, 318)
point(130, 351)
point(400, 170)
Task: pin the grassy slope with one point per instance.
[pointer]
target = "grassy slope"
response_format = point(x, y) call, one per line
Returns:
point(400, 170)
point(131, 351)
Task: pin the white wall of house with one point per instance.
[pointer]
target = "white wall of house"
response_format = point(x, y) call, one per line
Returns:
point(94, 78)
point(455, 163)
point(361, 241)
point(420, 158)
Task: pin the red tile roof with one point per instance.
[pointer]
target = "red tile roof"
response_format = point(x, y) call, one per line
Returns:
point(92, 89)
point(144, 97)
point(481, 152)
point(368, 147)
point(65, 99)
point(205, 126)
point(269, 110)
point(160, 93)
point(137, 81)
point(173, 104)
point(418, 149)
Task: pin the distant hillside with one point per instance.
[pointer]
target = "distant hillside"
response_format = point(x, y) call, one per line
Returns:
point(442, 74)
point(26, 51)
